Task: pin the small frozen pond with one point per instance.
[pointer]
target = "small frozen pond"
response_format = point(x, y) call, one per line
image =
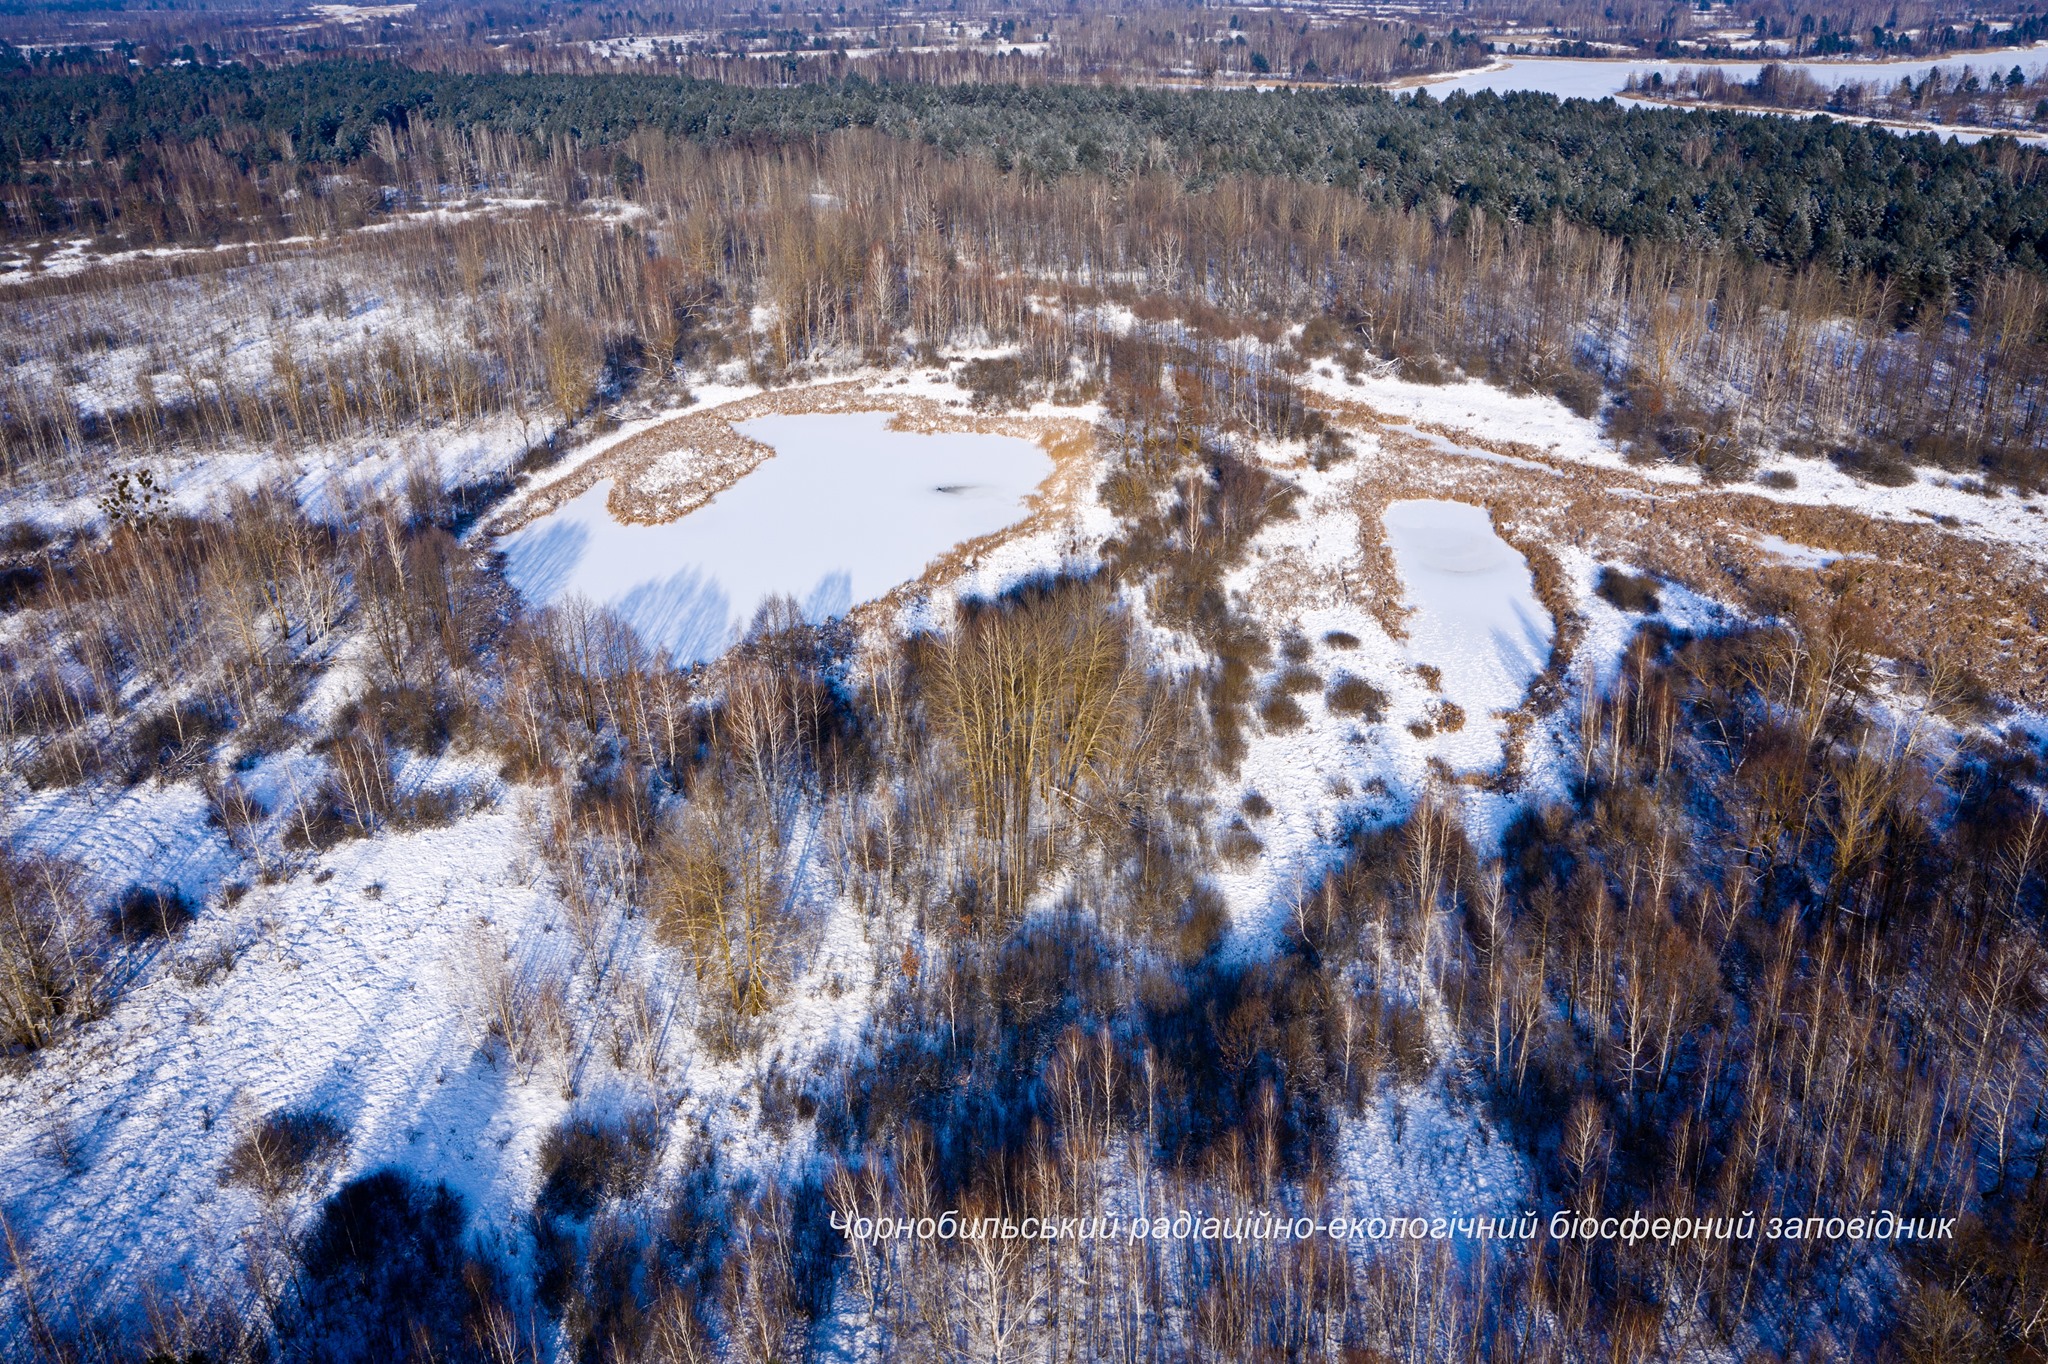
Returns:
point(845, 510)
point(1475, 617)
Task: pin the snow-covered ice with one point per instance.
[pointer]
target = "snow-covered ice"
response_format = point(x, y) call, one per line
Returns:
point(1475, 617)
point(1580, 78)
point(846, 510)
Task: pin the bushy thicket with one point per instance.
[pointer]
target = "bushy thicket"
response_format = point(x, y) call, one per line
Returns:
point(1768, 957)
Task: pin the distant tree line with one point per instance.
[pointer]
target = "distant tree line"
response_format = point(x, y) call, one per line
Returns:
point(1983, 99)
point(1798, 193)
point(881, 247)
point(737, 40)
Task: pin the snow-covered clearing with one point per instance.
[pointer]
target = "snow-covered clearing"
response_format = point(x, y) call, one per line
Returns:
point(845, 510)
point(1416, 1151)
point(366, 989)
point(326, 479)
point(331, 995)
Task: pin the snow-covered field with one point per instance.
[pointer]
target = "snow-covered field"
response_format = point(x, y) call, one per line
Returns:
point(352, 990)
point(368, 989)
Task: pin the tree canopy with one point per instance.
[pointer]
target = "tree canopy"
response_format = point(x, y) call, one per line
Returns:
point(1790, 191)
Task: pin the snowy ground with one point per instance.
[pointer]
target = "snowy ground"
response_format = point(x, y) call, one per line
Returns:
point(1544, 427)
point(1418, 1152)
point(336, 995)
point(363, 986)
point(326, 478)
point(355, 984)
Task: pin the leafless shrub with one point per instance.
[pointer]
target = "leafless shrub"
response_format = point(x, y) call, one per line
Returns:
point(1238, 844)
point(1406, 1039)
point(586, 1160)
point(1883, 463)
point(1241, 653)
point(1356, 696)
point(51, 950)
point(520, 999)
point(1298, 680)
point(436, 807)
point(232, 808)
point(1653, 423)
point(996, 385)
point(69, 1145)
point(201, 965)
point(721, 890)
point(145, 912)
point(1634, 592)
point(24, 537)
point(637, 1026)
point(415, 718)
point(358, 796)
point(1421, 368)
point(1282, 714)
point(286, 1149)
point(170, 742)
point(1578, 390)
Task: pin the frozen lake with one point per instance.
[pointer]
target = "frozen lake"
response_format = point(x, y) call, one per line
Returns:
point(1592, 78)
point(1475, 616)
point(845, 510)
